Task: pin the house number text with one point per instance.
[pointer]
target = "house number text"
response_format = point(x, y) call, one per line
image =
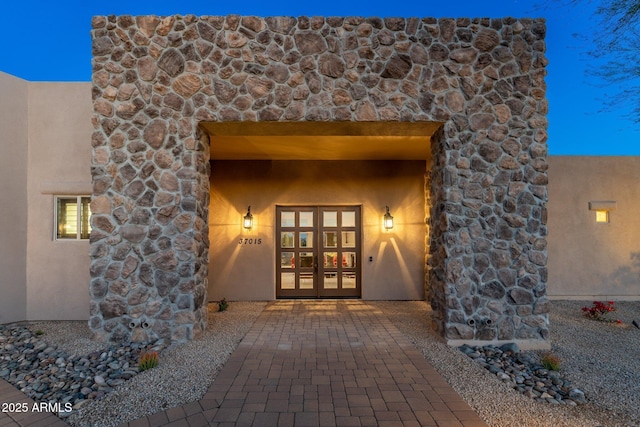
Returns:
point(249, 241)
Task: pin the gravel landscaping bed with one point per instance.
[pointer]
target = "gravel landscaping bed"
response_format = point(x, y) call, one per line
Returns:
point(601, 359)
point(183, 375)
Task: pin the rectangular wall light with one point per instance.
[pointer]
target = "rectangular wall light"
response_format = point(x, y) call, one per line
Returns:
point(602, 209)
point(602, 216)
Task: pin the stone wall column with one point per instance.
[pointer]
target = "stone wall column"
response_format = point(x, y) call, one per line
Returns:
point(155, 79)
point(150, 171)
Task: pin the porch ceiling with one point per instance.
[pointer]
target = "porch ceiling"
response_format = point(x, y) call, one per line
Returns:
point(320, 140)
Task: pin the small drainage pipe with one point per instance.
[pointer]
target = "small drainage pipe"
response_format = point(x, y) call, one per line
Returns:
point(146, 324)
point(134, 323)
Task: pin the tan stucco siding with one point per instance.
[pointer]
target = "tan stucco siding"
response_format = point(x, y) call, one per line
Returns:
point(587, 259)
point(245, 272)
point(59, 164)
point(13, 187)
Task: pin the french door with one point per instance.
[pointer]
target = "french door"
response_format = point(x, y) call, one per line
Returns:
point(318, 251)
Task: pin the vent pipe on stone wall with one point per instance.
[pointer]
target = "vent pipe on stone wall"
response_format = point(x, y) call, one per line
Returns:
point(146, 324)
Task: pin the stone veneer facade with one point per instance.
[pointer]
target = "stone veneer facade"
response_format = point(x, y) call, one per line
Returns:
point(156, 78)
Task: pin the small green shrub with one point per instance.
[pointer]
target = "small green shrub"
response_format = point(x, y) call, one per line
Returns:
point(39, 332)
point(550, 361)
point(148, 360)
point(223, 304)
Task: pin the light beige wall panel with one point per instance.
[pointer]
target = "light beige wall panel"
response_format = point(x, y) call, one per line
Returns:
point(13, 186)
point(59, 163)
point(589, 260)
point(247, 271)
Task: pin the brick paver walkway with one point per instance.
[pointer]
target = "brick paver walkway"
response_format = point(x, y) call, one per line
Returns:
point(322, 363)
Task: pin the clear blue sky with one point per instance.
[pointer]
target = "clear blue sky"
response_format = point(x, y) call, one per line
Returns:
point(50, 41)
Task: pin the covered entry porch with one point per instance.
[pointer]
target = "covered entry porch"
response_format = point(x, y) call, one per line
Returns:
point(318, 193)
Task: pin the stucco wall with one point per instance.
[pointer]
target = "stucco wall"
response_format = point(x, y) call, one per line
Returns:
point(59, 164)
point(13, 185)
point(247, 272)
point(589, 260)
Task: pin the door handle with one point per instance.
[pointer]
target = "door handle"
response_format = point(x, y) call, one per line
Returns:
point(315, 263)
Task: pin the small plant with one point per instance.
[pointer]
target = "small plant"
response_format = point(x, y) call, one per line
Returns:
point(148, 360)
point(550, 361)
point(39, 332)
point(223, 304)
point(599, 311)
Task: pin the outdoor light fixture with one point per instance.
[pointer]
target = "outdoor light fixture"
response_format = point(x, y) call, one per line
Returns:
point(602, 216)
point(388, 220)
point(248, 219)
point(602, 209)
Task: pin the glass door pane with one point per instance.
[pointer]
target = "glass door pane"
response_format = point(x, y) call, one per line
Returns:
point(288, 281)
point(287, 260)
point(349, 259)
point(330, 219)
point(349, 280)
point(287, 239)
point(307, 281)
point(306, 239)
point(306, 259)
point(348, 219)
point(348, 239)
point(330, 239)
point(306, 219)
point(330, 259)
point(330, 280)
point(287, 219)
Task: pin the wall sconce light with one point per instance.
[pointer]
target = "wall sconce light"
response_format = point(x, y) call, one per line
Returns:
point(248, 219)
point(387, 220)
point(602, 216)
point(602, 209)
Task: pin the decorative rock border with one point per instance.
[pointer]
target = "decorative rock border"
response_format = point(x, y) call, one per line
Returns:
point(525, 374)
point(47, 374)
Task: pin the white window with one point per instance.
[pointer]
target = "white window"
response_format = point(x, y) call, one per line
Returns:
point(72, 217)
